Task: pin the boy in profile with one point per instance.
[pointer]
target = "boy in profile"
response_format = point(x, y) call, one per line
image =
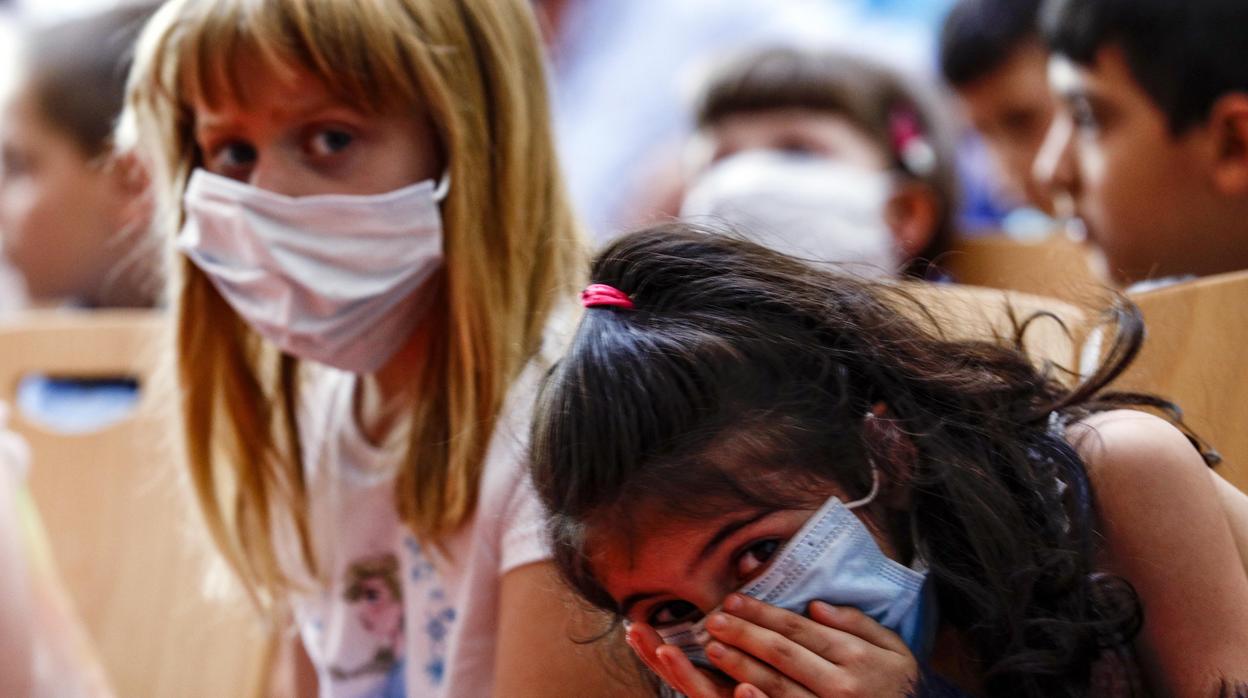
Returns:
point(1150, 139)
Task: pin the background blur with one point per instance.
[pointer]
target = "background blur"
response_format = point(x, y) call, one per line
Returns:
point(624, 73)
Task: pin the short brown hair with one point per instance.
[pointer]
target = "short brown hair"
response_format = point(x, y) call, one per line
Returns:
point(77, 72)
point(867, 94)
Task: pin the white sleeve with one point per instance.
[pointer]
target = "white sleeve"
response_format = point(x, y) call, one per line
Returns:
point(523, 539)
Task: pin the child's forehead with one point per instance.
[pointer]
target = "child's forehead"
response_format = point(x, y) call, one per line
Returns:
point(646, 537)
point(274, 84)
point(834, 131)
point(245, 78)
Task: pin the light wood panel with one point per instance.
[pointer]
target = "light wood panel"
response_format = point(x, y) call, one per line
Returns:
point(1193, 354)
point(121, 523)
point(1054, 266)
point(971, 312)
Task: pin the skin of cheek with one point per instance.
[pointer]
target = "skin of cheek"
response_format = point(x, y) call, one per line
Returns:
point(58, 223)
point(1137, 206)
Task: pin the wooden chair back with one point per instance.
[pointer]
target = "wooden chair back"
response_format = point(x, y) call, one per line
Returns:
point(971, 312)
point(1196, 333)
point(1054, 266)
point(122, 526)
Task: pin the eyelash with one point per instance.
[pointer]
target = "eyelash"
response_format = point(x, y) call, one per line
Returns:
point(315, 134)
point(1083, 115)
point(216, 151)
point(686, 609)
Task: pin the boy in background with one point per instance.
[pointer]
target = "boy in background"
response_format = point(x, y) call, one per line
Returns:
point(992, 55)
point(1150, 139)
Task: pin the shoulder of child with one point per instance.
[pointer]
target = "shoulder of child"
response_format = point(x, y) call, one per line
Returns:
point(1164, 532)
point(1118, 443)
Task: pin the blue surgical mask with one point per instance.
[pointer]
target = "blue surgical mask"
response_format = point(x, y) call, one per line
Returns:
point(834, 559)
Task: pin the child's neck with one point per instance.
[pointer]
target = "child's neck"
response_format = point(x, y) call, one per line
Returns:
point(384, 400)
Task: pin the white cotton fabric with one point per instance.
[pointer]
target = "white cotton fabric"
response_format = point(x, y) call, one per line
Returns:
point(449, 602)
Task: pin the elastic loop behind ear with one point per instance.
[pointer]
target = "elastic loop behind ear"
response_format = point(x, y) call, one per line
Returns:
point(875, 487)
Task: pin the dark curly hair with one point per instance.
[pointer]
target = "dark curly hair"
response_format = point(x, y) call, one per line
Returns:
point(743, 376)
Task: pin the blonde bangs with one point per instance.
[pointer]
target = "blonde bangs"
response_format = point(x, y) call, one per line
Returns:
point(357, 50)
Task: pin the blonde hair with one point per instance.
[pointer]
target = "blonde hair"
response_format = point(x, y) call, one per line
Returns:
point(512, 246)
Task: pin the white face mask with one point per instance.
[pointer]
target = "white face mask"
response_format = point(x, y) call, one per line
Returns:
point(330, 278)
point(812, 208)
point(833, 558)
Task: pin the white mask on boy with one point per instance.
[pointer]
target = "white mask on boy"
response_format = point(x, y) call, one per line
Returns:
point(813, 208)
point(834, 559)
point(329, 278)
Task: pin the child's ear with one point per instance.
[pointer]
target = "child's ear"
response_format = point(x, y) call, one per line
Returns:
point(1228, 124)
point(129, 174)
point(912, 213)
point(132, 184)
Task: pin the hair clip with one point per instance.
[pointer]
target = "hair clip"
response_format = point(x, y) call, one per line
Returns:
point(604, 296)
point(910, 142)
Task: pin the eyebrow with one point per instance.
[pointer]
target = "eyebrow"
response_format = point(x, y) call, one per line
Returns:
point(295, 112)
point(724, 533)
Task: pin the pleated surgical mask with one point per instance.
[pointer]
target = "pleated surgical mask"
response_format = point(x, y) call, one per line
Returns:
point(813, 208)
point(330, 278)
point(833, 558)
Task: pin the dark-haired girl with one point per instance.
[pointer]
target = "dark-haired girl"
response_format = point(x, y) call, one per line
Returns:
point(787, 486)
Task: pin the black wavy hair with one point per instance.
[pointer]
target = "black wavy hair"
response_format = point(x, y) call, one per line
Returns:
point(743, 376)
point(1184, 54)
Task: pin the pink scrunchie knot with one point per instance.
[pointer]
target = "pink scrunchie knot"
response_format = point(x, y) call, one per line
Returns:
point(604, 296)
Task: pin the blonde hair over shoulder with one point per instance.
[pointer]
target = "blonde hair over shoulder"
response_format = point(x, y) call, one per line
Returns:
point(512, 246)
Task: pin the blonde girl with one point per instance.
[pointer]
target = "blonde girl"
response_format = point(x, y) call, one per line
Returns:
point(374, 239)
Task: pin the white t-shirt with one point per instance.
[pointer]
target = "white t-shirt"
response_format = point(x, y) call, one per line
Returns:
point(399, 618)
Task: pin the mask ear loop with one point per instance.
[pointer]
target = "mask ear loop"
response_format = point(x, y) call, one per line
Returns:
point(876, 410)
point(875, 487)
point(443, 186)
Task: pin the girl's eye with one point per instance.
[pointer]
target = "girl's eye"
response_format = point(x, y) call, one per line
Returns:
point(755, 557)
point(232, 157)
point(13, 164)
point(670, 613)
point(1084, 116)
point(327, 142)
point(795, 147)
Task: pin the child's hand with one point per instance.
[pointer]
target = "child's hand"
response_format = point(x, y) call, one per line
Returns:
point(670, 664)
point(837, 652)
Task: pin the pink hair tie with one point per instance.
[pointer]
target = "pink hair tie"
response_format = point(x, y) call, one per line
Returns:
point(604, 296)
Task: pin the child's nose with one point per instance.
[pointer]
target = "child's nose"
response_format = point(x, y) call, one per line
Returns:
point(1054, 169)
point(274, 173)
